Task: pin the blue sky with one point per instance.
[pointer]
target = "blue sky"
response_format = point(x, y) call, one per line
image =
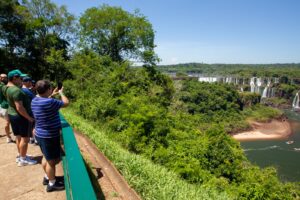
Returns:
point(216, 31)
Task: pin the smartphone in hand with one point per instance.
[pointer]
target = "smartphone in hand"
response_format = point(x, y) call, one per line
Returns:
point(59, 85)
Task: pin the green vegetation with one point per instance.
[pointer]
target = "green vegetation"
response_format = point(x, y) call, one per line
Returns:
point(185, 130)
point(106, 31)
point(277, 102)
point(262, 113)
point(176, 132)
point(34, 34)
point(149, 180)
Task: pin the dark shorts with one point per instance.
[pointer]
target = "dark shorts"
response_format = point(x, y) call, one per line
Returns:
point(50, 147)
point(20, 126)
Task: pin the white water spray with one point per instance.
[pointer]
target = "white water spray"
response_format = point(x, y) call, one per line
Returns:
point(296, 101)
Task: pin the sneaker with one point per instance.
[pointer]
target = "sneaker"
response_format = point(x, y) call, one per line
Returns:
point(18, 158)
point(57, 186)
point(58, 178)
point(9, 140)
point(31, 141)
point(27, 161)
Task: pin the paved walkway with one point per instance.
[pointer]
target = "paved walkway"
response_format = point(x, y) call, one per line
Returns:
point(22, 182)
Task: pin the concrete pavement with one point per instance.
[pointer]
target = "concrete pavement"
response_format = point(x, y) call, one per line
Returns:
point(23, 182)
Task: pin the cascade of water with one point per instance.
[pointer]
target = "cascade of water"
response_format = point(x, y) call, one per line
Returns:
point(252, 84)
point(296, 101)
point(202, 79)
point(258, 83)
point(228, 80)
point(242, 89)
point(265, 92)
point(207, 79)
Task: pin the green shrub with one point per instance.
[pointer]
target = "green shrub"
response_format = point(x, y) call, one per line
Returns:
point(262, 113)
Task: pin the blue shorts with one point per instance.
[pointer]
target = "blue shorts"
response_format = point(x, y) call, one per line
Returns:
point(50, 147)
point(20, 126)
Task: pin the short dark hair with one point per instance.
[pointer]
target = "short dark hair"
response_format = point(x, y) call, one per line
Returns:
point(42, 86)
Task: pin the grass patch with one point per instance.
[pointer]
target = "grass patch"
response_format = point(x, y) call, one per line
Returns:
point(149, 180)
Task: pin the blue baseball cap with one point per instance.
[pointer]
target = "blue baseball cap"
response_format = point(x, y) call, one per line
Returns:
point(15, 72)
point(27, 79)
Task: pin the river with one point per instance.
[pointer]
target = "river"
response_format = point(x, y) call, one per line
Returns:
point(278, 153)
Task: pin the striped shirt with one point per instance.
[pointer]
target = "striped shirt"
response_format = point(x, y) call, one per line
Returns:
point(45, 112)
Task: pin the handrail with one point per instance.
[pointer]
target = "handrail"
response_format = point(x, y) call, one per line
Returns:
point(77, 182)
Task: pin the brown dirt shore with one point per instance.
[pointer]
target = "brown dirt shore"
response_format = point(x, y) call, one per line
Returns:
point(275, 129)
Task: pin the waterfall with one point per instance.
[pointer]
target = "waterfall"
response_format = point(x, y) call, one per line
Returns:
point(228, 80)
point(258, 83)
point(265, 92)
point(296, 101)
point(208, 79)
point(252, 84)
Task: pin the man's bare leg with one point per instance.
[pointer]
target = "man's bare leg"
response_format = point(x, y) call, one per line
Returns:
point(50, 171)
point(18, 141)
point(7, 130)
point(23, 146)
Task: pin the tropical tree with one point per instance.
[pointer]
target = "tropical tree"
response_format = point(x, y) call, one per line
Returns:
point(12, 33)
point(50, 29)
point(113, 32)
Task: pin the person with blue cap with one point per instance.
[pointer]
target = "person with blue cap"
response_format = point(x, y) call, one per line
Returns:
point(26, 87)
point(20, 115)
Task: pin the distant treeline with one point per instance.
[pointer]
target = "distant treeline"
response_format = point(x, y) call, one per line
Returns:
point(291, 70)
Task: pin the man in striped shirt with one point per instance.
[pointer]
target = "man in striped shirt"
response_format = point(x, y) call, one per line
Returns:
point(47, 129)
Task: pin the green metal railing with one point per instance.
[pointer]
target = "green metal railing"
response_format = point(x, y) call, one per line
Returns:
point(77, 182)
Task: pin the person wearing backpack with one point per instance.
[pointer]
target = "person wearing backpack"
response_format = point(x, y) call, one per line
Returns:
point(4, 107)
